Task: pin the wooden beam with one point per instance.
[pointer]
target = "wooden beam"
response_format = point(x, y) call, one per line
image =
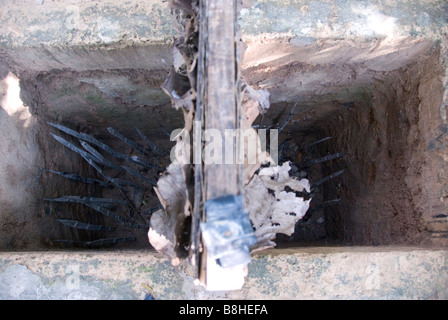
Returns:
point(218, 107)
point(221, 110)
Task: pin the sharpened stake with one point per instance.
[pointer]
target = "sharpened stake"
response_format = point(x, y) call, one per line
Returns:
point(287, 119)
point(79, 178)
point(143, 163)
point(150, 144)
point(89, 138)
point(331, 202)
point(316, 142)
point(323, 159)
point(129, 142)
point(118, 218)
point(262, 126)
point(95, 243)
point(331, 176)
point(165, 131)
point(105, 202)
point(88, 158)
point(98, 156)
point(138, 175)
point(85, 226)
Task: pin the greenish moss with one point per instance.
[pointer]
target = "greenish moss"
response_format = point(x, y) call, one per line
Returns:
point(95, 99)
point(66, 89)
point(147, 269)
point(264, 279)
point(167, 281)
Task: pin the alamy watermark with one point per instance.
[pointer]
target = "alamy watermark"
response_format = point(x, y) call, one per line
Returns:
point(237, 146)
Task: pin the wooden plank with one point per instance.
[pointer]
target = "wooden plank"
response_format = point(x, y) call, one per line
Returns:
point(221, 108)
point(218, 108)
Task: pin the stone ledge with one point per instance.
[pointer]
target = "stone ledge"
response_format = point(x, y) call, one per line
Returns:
point(305, 273)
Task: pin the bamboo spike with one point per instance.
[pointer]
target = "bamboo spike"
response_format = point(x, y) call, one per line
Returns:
point(143, 163)
point(331, 202)
point(84, 200)
point(150, 144)
point(85, 226)
point(287, 119)
point(129, 142)
point(140, 176)
point(331, 176)
point(118, 218)
point(316, 142)
point(123, 182)
point(165, 131)
point(79, 178)
point(99, 156)
point(74, 148)
point(88, 158)
point(91, 139)
point(95, 243)
point(102, 242)
point(323, 159)
point(88, 138)
point(263, 126)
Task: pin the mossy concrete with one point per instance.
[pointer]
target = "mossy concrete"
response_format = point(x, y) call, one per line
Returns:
point(306, 21)
point(312, 273)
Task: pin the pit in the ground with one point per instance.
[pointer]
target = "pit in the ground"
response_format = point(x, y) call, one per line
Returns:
point(381, 110)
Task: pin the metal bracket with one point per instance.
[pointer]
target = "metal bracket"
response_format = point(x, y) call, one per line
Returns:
point(228, 232)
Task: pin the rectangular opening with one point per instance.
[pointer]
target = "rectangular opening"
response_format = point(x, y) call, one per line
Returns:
point(375, 103)
point(365, 128)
